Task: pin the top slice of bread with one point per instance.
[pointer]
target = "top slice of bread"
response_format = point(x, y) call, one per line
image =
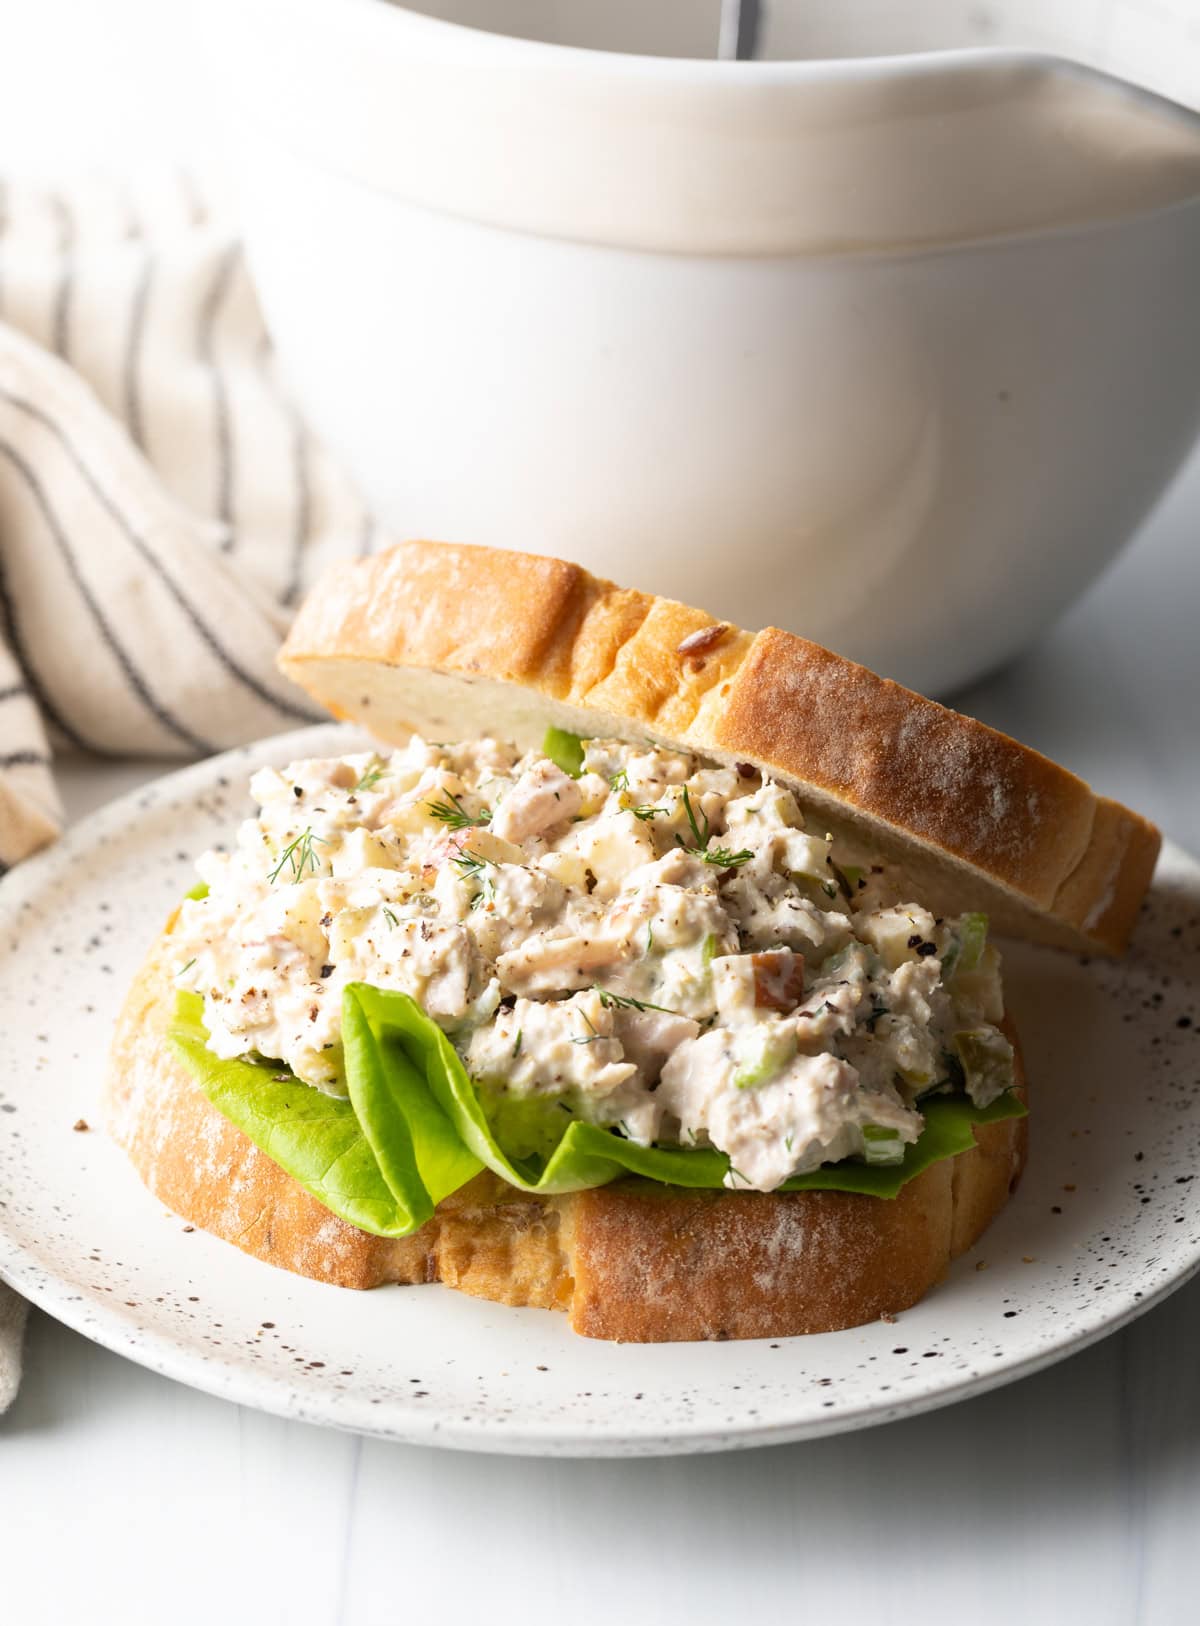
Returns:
point(454, 641)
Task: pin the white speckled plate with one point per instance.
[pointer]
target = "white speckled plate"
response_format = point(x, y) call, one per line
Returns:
point(1105, 1223)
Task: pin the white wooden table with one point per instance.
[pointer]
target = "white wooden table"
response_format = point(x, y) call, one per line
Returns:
point(1073, 1496)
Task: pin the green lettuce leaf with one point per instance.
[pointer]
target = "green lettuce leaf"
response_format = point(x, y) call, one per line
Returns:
point(414, 1128)
point(589, 1156)
point(382, 1160)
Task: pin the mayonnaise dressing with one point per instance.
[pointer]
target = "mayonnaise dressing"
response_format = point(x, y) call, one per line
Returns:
point(658, 946)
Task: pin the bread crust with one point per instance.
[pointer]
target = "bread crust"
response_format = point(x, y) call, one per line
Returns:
point(977, 820)
point(632, 1261)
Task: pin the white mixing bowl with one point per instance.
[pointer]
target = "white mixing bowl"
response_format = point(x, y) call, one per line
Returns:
point(893, 351)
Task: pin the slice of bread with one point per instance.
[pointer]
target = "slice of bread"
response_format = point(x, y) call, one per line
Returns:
point(631, 1261)
point(453, 641)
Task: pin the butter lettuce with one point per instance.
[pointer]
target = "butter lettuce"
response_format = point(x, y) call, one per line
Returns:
point(414, 1129)
point(382, 1159)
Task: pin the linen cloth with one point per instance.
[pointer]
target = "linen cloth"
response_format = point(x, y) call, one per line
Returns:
point(162, 505)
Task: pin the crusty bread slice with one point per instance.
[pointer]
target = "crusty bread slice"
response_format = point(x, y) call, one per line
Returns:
point(630, 1261)
point(453, 641)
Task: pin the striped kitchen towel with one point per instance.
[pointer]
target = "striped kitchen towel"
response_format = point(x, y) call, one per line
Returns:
point(162, 506)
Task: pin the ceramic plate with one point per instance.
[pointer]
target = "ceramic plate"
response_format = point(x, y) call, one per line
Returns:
point(1104, 1225)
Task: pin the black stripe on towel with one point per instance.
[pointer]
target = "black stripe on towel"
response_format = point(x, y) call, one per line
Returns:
point(25, 759)
point(286, 708)
point(14, 691)
point(133, 677)
point(131, 379)
point(302, 520)
point(60, 328)
point(16, 642)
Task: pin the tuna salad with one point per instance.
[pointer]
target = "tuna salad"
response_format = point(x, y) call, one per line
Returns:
point(617, 932)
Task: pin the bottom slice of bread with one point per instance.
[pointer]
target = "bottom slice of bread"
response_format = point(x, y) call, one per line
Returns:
point(630, 1261)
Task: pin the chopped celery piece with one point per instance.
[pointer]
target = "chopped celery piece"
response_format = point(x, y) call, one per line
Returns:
point(980, 988)
point(987, 1061)
point(565, 750)
point(972, 937)
point(882, 1145)
point(763, 1054)
point(915, 1080)
point(805, 858)
point(844, 962)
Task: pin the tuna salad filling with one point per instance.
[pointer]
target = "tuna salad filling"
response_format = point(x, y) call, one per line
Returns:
point(619, 933)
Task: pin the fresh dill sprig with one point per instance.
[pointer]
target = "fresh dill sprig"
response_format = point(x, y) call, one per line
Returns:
point(473, 867)
point(592, 1036)
point(516, 1049)
point(369, 778)
point(470, 865)
point(454, 815)
point(626, 1002)
point(186, 967)
point(389, 916)
point(486, 893)
point(700, 840)
point(300, 855)
point(720, 856)
point(619, 780)
point(648, 811)
point(723, 857)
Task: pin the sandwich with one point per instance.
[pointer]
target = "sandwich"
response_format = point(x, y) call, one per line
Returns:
point(644, 969)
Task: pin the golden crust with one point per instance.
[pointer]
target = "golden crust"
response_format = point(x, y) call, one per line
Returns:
point(651, 1264)
point(419, 635)
point(631, 1261)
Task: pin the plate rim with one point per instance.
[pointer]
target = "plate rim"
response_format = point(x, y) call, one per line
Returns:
point(533, 1438)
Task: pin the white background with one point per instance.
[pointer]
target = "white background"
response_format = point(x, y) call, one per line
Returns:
point(1072, 1496)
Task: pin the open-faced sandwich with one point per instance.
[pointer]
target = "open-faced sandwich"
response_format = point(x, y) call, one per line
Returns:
point(643, 971)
